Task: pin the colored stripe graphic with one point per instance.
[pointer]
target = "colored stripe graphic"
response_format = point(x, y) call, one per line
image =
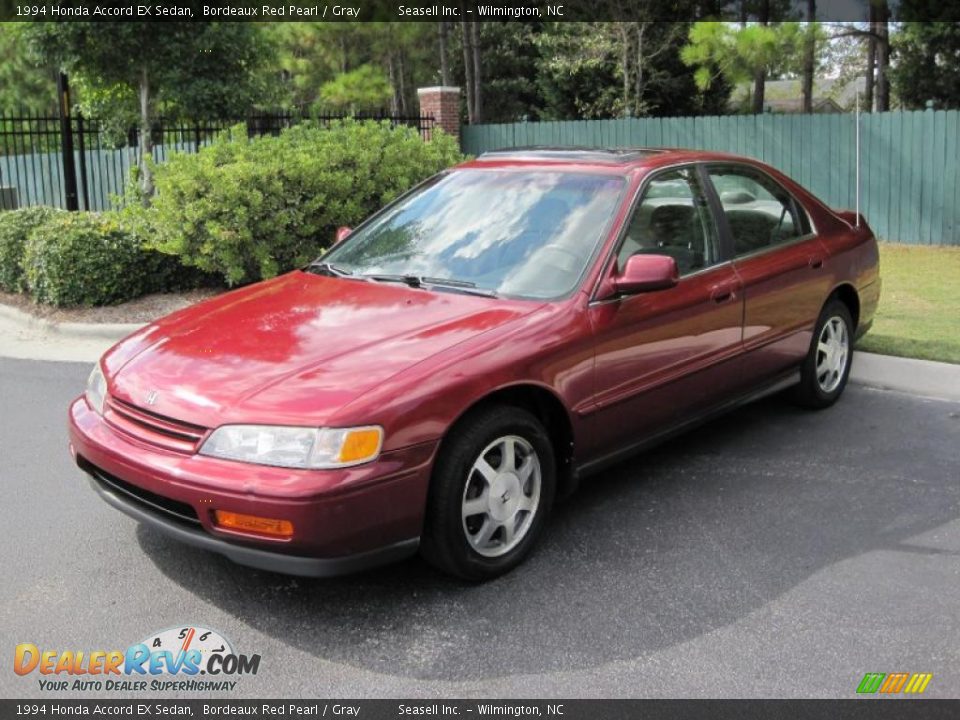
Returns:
point(918, 683)
point(871, 682)
point(894, 682)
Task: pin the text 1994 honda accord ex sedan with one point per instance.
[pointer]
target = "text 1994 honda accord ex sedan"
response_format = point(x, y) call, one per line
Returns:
point(470, 352)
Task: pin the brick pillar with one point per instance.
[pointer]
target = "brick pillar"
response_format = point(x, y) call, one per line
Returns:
point(443, 103)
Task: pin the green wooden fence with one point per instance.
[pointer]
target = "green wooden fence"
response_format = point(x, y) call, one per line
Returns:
point(909, 164)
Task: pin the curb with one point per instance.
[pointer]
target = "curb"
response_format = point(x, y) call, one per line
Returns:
point(68, 331)
point(917, 377)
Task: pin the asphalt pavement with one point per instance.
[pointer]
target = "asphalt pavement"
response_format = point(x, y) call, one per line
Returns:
point(773, 553)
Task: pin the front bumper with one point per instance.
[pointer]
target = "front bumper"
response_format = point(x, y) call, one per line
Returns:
point(344, 520)
point(252, 556)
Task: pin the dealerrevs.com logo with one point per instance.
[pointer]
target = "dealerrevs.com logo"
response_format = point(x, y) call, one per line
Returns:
point(189, 658)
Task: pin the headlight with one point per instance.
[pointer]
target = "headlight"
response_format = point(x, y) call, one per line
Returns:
point(295, 447)
point(96, 389)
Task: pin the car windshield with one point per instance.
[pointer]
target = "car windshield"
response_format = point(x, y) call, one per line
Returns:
point(515, 233)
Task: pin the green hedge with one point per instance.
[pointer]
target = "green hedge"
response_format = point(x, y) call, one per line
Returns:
point(162, 272)
point(15, 227)
point(242, 209)
point(93, 259)
point(248, 209)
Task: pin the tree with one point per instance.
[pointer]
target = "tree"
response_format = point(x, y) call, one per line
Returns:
point(509, 58)
point(196, 69)
point(742, 54)
point(313, 54)
point(880, 26)
point(403, 49)
point(760, 68)
point(637, 46)
point(576, 78)
point(809, 56)
point(870, 76)
point(364, 89)
point(845, 54)
point(928, 56)
point(620, 69)
point(310, 54)
point(876, 58)
point(443, 28)
point(23, 84)
point(473, 70)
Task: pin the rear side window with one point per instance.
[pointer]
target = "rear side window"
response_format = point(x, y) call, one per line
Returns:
point(673, 218)
point(759, 212)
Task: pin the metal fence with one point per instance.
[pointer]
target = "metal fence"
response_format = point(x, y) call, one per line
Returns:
point(33, 148)
point(909, 169)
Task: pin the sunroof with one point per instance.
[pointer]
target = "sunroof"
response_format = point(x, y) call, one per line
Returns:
point(613, 156)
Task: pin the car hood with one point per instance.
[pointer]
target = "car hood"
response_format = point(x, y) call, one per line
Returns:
point(292, 350)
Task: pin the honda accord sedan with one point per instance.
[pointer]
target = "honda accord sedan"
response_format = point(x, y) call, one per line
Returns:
point(473, 351)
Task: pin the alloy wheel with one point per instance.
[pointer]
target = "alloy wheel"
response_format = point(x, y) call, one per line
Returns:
point(501, 496)
point(833, 352)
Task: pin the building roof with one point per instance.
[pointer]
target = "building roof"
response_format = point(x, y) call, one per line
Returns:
point(829, 94)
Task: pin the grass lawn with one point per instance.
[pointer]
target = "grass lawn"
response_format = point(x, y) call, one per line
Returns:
point(919, 313)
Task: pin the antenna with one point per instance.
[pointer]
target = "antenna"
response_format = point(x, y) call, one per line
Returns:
point(858, 160)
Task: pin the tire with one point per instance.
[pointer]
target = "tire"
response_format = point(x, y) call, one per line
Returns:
point(472, 472)
point(825, 370)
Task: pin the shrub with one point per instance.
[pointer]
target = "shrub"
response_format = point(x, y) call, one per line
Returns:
point(249, 209)
point(162, 272)
point(15, 227)
point(89, 259)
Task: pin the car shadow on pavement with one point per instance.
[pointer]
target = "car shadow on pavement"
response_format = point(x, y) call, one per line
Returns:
point(659, 550)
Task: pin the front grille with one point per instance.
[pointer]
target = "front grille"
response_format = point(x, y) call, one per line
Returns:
point(144, 498)
point(153, 428)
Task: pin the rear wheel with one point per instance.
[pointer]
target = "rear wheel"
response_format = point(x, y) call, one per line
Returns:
point(826, 369)
point(492, 488)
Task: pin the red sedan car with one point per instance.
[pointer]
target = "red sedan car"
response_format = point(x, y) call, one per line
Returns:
point(469, 353)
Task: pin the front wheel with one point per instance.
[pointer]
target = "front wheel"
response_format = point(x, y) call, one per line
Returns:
point(492, 488)
point(826, 368)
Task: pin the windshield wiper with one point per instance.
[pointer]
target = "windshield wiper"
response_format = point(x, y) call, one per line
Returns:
point(422, 281)
point(414, 281)
point(461, 285)
point(330, 269)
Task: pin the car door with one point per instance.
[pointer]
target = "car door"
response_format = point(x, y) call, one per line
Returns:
point(665, 355)
point(779, 260)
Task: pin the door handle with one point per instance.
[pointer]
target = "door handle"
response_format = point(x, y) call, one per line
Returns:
point(815, 263)
point(721, 293)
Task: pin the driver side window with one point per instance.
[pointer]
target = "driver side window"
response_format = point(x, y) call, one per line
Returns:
point(673, 219)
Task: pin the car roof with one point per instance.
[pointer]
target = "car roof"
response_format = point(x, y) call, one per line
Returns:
point(606, 156)
point(619, 160)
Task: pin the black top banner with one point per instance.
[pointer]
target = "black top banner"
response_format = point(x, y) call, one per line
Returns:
point(424, 10)
point(558, 709)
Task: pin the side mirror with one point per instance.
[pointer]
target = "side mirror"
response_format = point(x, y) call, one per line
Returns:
point(646, 273)
point(342, 232)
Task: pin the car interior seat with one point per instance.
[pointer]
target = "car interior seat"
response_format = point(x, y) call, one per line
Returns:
point(751, 229)
point(673, 228)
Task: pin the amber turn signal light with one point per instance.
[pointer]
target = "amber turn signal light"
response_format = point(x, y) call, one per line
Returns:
point(253, 524)
point(360, 444)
